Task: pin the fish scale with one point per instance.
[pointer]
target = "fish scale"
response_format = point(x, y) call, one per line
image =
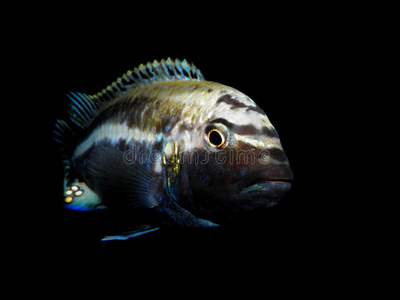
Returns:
point(144, 144)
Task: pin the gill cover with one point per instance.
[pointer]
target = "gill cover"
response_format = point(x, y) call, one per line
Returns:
point(171, 161)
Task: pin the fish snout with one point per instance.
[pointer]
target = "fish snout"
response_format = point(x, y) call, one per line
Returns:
point(265, 187)
point(275, 173)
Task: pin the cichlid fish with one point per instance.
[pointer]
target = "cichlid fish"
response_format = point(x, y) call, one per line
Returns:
point(180, 150)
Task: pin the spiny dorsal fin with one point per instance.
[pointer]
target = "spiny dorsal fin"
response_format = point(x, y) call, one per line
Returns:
point(166, 70)
point(85, 107)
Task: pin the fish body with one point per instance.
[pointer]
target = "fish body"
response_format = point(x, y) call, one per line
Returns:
point(164, 141)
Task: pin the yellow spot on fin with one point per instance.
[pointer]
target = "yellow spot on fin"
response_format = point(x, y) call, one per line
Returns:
point(80, 197)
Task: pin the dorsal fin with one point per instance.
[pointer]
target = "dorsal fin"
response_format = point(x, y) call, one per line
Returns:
point(166, 70)
point(84, 107)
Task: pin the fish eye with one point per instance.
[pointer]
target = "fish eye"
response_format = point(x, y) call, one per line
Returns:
point(216, 138)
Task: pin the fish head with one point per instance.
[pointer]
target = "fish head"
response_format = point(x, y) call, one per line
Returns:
point(238, 164)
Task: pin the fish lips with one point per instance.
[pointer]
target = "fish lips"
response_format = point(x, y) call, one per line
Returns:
point(267, 185)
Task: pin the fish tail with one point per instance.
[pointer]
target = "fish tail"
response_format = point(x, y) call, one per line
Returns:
point(61, 133)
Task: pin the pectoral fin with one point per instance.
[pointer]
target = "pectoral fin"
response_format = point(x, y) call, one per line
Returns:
point(115, 179)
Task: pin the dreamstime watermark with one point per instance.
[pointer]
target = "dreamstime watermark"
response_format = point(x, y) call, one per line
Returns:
point(199, 157)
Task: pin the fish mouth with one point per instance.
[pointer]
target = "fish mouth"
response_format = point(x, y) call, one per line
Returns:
point(269, 187)
point(278, 174)
point(265, 193)
point(269, 184)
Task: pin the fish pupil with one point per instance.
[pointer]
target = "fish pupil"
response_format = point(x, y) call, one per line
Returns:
point(215, 138)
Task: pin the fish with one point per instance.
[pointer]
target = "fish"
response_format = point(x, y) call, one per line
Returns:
point(169, 146)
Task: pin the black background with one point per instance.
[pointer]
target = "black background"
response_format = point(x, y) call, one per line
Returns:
point(297, 71)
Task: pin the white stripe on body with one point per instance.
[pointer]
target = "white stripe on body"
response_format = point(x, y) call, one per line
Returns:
point(114, 132)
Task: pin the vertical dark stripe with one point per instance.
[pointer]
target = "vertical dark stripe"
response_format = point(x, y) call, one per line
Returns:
point(234, 103)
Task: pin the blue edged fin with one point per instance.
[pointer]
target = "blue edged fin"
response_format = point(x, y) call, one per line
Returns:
point(166, 70)
point(78, 196)
point(61, 133)
point(83, 108)
point(137, 231)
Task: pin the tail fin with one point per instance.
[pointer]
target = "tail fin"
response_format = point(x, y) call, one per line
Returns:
point(61, 131)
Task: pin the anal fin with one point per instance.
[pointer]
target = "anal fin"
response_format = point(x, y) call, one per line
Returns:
point(78, 196)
